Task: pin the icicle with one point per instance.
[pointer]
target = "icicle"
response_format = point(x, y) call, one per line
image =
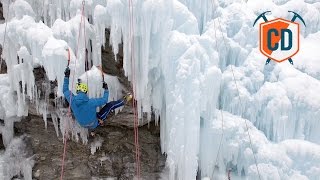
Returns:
point(95, 145)
point(17, 160)
point(7, 131)
point(176, 75)
point(55, 123)
point(43, 109)
point(70, 127)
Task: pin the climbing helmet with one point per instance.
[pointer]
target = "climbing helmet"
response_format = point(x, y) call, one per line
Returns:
point(82, 87)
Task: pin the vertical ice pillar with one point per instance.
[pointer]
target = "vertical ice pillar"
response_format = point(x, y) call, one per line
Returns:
point(181, 128)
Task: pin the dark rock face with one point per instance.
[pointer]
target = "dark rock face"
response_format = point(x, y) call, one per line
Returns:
point(114, 159)
point(3, 66)
point(1, 12)
point(112, 67)
point(109, 65)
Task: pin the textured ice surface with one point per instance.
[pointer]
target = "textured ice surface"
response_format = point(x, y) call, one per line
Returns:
point(181, 57)
point(288, 159)
point(95, 145)
point(17, 160)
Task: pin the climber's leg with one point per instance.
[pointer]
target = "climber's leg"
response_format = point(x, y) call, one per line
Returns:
point(102, 115)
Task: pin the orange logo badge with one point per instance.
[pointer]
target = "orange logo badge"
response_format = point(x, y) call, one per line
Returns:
point(279, 38)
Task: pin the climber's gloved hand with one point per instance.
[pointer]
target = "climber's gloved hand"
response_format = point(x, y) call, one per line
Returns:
point(67, 72)
point(105, 85)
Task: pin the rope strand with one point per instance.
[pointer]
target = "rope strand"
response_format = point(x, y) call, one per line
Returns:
point(86, 54)
point(69, 109)
point(222, 120)
point(241, 105)
point(134, 103)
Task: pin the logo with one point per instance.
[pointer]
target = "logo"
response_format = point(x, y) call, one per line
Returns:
point(279, 38)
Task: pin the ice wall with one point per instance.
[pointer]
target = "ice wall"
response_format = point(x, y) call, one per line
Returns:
point(173, 69)
point(279, 99)
point(178, 54)
point(186, 87)
point(172, 29)
point(274, 109)
point(284, 160)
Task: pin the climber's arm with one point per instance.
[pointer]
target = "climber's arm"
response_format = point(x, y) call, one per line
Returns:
point(66, 91)
point(100, 101)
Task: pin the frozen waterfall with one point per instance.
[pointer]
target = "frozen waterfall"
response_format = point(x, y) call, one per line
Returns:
point(184, 57)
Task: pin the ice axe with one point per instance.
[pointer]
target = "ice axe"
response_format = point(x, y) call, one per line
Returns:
point(290, 60)
point(296, 15)
point(102, 73)
point(268, 61)
point(263, 16)
point(68, 56)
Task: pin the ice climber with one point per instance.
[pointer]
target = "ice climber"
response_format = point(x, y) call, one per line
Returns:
point(84, 108)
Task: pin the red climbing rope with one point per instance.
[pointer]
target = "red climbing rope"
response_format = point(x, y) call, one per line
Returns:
point(69, 109)
point(134, 103)
point(86, 54)
point(68, 56)
point(102, 73)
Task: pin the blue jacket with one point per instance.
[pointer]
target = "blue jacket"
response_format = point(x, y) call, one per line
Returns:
point(83, 108)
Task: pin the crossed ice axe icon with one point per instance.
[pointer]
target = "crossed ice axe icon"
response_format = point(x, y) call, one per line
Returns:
point(263, 16)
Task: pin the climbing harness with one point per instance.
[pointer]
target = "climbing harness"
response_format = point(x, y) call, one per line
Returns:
point(234, 79)
point(134, 103)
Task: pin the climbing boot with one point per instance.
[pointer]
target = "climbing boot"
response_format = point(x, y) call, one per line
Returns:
point(127, 97)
